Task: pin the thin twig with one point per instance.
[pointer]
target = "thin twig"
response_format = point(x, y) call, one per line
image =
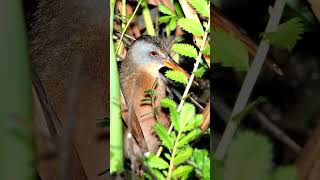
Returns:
point(128, 23)
point(277, 132)
point(249, 81)
point(191, 98)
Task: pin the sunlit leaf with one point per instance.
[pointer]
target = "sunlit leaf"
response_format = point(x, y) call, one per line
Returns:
point(163, 134)
point(156, 162)
point(201, 6)
point(177, 76)
point(183, 155)
point(185, 49)
point(182, 171)
point(191, 25)
point(199, 72)
point(165, 10)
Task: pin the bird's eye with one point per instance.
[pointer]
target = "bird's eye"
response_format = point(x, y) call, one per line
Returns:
point(153, 53)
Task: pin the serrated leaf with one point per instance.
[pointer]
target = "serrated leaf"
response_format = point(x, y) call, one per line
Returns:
point(168, 103)
point(246, 151)
point(165, 10)
point(156, 162)
point(162, 133)
point(286, 35)
point(183, 155)
point(201, 6)
point(196, 122)
point(174, 116)
point(229, 51)
point(191, 25)
point(199, 72)
point(164, 19)
point(185, 49)
point(182, 171)
point(177, 76)
point(289, 172)
point(173, 24)
point(189, 137)
point(187, 113)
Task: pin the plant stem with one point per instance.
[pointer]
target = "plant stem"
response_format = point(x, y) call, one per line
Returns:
point(174, 150)
point(17, 152)
point(249, 81)
point(147, 19)
point(127, 25)
point(116, 131)
point(186, 91)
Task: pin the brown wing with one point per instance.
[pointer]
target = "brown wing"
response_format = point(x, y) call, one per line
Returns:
point(135, 125)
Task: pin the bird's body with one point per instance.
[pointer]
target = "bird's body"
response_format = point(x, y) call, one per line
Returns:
point(142, 64)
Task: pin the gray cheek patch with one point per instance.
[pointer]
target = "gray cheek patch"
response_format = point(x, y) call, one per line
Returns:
point(140, 51)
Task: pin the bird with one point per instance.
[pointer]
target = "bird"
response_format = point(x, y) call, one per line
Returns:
point(145, 57)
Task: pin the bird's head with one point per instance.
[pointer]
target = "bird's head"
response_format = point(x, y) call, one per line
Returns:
point(149, 50)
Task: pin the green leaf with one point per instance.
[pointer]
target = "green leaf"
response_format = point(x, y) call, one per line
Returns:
point(286, 35)
point(201, 6)
point(185, 49)
point(182, 171)
point(156, 162)
point(165, 10)
point(229, 51)
point(162, 133)
point(289, 172)
point(158, 174)
point(167, 103)
point(167, 155)
point(206, 50)
point(183, 155)
point(191, 25)
point(178, 9)
point(164, 19)
point(189, 137)
point(173, 24)
point(195, 123)
point(199, 72)
point(246, 151)
point(177, 76)
point(201, 161)
point(174, 116)
point(168, 30)
point(187, 113)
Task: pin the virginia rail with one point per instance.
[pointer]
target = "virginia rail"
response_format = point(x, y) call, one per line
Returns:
point(145, 57)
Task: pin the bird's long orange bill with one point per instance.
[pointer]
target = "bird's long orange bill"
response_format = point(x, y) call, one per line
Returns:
point(173, 65)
